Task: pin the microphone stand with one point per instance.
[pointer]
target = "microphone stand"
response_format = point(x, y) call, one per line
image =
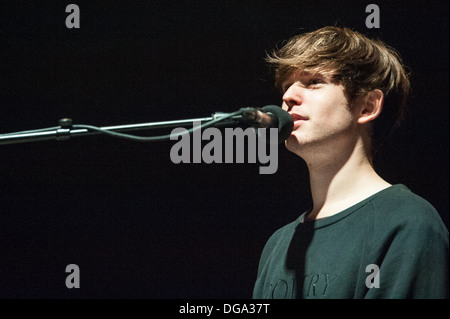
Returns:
point(67, 129)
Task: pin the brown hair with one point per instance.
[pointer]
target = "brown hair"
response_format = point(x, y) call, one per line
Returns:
point(358, 63)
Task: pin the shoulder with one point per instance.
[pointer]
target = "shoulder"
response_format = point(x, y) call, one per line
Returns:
point(399, 206)
point(283, 232)
point(280, 238)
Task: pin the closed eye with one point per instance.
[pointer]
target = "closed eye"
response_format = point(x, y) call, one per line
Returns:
point(314, 82)
point(308, 81)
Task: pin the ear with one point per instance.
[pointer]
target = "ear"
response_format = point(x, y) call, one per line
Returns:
point(371, 106)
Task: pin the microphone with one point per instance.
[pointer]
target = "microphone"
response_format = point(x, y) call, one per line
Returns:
point(270, 116)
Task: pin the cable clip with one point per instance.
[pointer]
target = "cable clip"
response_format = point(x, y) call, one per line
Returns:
point(63, 133)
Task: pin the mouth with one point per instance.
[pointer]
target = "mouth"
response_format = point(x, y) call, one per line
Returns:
point(298, 119)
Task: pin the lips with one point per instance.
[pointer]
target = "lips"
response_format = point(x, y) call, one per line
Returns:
point(297, 117)
point(297, 120)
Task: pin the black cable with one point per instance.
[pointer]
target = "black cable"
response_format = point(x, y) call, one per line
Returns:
point(152, 138)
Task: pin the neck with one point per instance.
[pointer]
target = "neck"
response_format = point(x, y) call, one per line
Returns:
point(343, 182)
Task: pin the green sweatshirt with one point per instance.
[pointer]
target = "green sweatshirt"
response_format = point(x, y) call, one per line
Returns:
point(393, 244)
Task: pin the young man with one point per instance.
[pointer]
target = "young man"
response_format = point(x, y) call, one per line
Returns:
point(363, 237)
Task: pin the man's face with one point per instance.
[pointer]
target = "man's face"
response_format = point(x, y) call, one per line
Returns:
point(321, 113)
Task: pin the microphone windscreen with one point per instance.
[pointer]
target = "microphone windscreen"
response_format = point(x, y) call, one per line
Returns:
point(285, 121)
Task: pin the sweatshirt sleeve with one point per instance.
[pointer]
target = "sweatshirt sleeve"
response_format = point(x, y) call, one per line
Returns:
point(413, 255)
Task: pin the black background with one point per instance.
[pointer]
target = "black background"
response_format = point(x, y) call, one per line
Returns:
point(137, 225)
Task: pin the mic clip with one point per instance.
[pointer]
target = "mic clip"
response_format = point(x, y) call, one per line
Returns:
point(257, 118)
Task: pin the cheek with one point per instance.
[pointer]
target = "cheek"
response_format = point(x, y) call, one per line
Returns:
point(336, 119)
point(334, 108)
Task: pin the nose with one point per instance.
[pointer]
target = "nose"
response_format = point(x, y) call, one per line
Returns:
point(291, 98)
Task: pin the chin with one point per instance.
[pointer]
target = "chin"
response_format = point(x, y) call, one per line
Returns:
point(296, 144)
